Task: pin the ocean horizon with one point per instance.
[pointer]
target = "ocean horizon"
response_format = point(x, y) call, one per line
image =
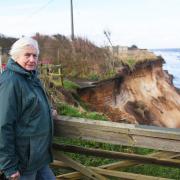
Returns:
point(171, 57)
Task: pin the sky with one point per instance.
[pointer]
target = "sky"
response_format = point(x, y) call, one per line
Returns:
point(145, 23)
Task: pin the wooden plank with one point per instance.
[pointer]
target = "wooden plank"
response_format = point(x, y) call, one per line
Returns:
point(124, 163)
point(77, 166)
point(58, 164)
point(73, 175)
point(125, 175)
point(117, 155)
point(118, 133)
point(121, 164)
point(153, 131)
point(128, 163)
point(112, 173)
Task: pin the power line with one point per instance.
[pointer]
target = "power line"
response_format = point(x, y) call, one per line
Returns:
point(39, 9)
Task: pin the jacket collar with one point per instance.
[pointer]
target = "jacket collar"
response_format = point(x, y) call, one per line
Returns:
point(14, 66)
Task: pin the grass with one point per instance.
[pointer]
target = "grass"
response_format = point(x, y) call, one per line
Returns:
point(154, 170)
point(69, 85)
point(66, 109)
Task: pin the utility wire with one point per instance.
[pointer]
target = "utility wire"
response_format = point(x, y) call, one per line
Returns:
point(39, 10)
point(26, 18)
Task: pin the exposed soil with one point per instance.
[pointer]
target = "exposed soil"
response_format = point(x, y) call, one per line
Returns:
point(144, 96)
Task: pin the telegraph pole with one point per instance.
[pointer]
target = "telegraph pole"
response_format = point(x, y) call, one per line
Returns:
point(72, 21)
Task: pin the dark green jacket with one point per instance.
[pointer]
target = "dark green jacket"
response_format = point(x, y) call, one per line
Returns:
point(25, 121)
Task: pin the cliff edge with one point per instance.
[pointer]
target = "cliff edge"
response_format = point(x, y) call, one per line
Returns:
point(144, 95)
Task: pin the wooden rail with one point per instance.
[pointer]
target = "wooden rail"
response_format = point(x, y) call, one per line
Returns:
point(116, 133)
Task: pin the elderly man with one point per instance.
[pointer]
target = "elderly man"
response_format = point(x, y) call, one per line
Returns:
point(26, 126)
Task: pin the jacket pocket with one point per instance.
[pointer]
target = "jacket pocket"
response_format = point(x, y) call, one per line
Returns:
point(23, 151)
point(39, 150)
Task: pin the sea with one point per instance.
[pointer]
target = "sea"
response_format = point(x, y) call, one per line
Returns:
point(172, 62)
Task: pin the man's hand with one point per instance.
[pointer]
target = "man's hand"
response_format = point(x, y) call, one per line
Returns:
point(15, 176)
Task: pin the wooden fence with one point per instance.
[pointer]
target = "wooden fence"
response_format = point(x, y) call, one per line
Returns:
point(51, 72)
point(164, 139)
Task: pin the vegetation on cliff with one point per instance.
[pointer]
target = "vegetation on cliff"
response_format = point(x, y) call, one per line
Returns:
point(81, 58)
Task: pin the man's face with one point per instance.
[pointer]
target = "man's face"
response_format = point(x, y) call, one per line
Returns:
point(28, 58)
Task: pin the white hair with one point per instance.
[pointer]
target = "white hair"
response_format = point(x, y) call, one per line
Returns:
point(20, 44)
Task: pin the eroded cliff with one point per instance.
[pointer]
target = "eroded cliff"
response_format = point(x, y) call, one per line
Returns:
point(145, 95)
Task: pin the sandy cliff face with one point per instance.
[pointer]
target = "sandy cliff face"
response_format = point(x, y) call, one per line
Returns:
point(144, 96)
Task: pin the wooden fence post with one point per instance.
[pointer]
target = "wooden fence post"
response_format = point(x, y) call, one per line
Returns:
point(60, 71)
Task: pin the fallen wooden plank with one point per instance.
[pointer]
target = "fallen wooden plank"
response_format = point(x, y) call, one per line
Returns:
point(111, 173)
point(73, 175)
point(125, 175)
point(77, 166)
point(121, 164)
point(128, 163)
point(58, 164)
point(117, 133)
